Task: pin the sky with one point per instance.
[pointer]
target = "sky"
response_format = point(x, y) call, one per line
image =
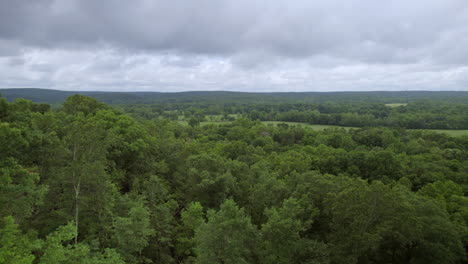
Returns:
point(234, 45)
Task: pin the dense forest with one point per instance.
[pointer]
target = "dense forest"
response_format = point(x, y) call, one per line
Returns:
point(86, 182)
point(421, 114)
point(407, 109)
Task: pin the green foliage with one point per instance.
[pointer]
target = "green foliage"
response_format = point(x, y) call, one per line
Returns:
point(82, 104)
point(451, 196)
point(131, 232)
point(81, 175)
point(57, 249)
point(20, 191)
point(85, 183)
point(282, 236)
point(3, 108)
point(15, 247)
point(376, 222)
point(206, 180)
point(227, 237)
point(192, 218)
point(12, 141)
point(193, 122)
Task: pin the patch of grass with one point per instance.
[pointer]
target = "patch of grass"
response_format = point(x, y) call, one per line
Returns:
point(315, 127)
point(395, 105)
point(214, 118)
point(204, 123)
point(453, 133)
point(210, 118)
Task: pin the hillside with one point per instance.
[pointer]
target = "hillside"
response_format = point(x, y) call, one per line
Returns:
point(57, 97)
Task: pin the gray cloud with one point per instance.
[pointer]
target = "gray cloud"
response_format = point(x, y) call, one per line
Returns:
point(234, 44)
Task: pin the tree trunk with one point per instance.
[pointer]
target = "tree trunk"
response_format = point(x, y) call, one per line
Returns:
point(77, 195)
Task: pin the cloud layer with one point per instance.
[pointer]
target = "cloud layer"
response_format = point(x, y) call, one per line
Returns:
point(241, 45)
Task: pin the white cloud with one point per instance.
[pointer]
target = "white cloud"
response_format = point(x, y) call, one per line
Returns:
point(240, 45)
point(111, 70)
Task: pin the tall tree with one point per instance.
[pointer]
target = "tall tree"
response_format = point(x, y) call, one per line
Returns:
point(80, 188)
point(85, 170)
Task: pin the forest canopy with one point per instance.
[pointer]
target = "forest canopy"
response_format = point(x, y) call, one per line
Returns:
point(86, 182)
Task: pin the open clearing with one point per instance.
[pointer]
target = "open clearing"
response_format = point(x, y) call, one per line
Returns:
point(450, 132)
point(454, 133)
point(315, 127)
point(396, 104)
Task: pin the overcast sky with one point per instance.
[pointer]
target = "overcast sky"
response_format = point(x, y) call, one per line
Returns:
point(236, 45)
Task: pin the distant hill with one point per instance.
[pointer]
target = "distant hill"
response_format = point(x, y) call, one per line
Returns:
point(58, 97)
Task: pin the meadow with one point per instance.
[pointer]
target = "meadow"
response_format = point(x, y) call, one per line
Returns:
point(396, 104)
point(450, 132)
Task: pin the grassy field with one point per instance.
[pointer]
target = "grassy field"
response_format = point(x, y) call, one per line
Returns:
point(395, 105)
point(315, 127)
point(204, 123)
point(273, 123)
point(210, 118)
point(453, 133)
point(218, 118)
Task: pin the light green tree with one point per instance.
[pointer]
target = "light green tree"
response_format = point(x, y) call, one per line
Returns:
point(20, 191)
point(15, 247)
point(59, 249)
point(281, 236)
point(228, 237)
point(192, 218)
point(132, 230)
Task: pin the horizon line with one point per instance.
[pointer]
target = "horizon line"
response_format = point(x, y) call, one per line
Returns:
point(228, 91)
